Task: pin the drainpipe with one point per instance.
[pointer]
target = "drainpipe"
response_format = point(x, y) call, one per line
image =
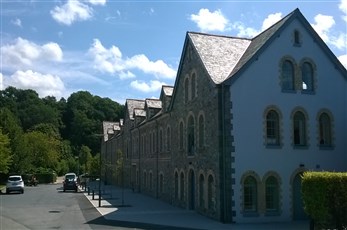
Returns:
point(224, 217)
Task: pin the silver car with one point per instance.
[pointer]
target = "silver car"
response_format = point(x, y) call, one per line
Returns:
point(15, 183)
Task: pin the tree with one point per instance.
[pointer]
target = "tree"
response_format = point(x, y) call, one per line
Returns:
point(85, 157)
point(37, 150)
point(5, 153)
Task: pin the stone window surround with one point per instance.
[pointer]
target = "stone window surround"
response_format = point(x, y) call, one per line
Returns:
point(332, 128)
point(298, 74)
point(261, 193)
point(280, 123)
point(307, 137)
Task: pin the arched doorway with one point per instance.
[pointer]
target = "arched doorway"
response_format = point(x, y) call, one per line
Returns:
point(298, 204)
point(191, 190)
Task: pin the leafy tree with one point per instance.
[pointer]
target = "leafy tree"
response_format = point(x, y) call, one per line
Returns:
point(40, 150)
point(83, 117)
point(85, 158)
point(95, 165)
point(5, 153)
point(46, 128)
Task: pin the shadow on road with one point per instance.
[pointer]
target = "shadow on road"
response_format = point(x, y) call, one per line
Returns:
point(126, 224)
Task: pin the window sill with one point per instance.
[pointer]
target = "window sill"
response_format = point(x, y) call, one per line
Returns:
point(326, 147)
point(300, 146)
point(272, 213)
point(308, 92)
point(288, 91)
point(250, 214)
point(273, 146)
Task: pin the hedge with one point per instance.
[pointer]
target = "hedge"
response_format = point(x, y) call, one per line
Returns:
point(325, 199)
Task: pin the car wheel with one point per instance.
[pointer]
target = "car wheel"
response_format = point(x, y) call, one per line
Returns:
point(22, 191)
point(7, 191)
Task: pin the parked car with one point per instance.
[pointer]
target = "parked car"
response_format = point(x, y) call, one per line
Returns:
point(70, 182)
point(15, 183)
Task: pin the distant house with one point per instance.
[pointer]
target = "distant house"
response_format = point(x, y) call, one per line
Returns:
point(245, 118)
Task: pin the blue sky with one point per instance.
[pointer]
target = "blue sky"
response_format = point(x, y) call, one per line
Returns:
point(129, 49)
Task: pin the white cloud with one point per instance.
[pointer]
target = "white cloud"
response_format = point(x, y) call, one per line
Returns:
point(210, 21)
point(144, 87)
point(343, 60)
point(97, 2)
point(126, 75)
point(270, 20)
point(249, 32)
point(343, 8)
point(111, 61)
point(244, 31)
point(323, 24)
point(43, 84)
point(1, 82)
point(71, 11)
point(157, 68)
point(23, 53)
point(17, 22)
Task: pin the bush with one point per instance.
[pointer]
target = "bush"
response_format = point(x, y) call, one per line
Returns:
point(325, 198)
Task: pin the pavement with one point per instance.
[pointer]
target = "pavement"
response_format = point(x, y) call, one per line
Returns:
point(127, 206)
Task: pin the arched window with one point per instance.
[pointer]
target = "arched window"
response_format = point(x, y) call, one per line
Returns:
point(182, 186)
point(325, 130)
point(299, 129)
point(307, 76)
point(168, 138)
point(181, 135)
point(145, 179)
point(272, 128)
point(150, 181)
point(271, 194)
point(193, 81)
point(201, 191)
point(287, 75)
point(211, 193)
point(201, 131)
point(161, 181)
point(191, 136)
point(176, 185)
point(160, 140)
point(297, 38)
point(250, 194)
point(186, 90)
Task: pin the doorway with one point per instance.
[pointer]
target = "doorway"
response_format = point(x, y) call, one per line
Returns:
point(191, 190)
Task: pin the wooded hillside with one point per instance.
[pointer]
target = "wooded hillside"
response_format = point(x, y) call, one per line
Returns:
point(43, 134)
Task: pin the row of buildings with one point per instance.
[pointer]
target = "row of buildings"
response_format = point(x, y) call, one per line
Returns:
point(244, 120)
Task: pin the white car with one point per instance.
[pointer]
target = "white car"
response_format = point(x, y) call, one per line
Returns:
point(15, 183)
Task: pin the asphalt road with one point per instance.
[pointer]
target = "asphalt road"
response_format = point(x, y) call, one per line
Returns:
point(48, 207)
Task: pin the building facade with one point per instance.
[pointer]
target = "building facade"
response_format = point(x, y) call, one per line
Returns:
point(244, 120)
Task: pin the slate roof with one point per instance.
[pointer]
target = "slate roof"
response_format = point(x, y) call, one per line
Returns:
point(139, 112)
point(224, 56)
point(108, 128)
point(168, 90)
point(219, 54)
point(131, 104)
point(153, 103)
point(258, 43)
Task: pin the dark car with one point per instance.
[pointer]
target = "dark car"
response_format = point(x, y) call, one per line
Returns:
point(70, 182)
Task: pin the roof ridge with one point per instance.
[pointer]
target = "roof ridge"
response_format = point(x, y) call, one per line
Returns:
point(218, 35)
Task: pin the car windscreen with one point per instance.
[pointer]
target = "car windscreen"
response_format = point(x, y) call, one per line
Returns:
point(15, 178)
point(70, 177)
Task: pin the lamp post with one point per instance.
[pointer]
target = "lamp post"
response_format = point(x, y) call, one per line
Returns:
point(100, 163)
point(100, 179)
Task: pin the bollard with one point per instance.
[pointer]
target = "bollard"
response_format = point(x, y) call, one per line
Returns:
point(93, 195)
point(88, 190)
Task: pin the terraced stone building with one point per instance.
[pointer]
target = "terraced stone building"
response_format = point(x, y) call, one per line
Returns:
point(244, 119)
